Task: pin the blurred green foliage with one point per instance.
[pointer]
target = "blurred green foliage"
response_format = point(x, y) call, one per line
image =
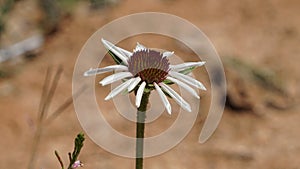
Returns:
point(264, 76)
point(5, 7)
point(95, 4)
point(67, 5)
point(53, 11)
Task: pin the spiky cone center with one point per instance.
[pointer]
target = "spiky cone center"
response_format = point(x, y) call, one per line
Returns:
point(149, 65)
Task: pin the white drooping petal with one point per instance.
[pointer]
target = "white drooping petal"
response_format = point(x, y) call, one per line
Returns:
point(179, 100)
point(187, 79)
point(139, 94)
point(115, 50)
point(167, 54)
point(186, 65)
point(134, 83)
point(105, 69)
point(118, 89)
point(185, 86)
point(139, 47)
point(115, 77)
point(163, 98)
point(126, 52)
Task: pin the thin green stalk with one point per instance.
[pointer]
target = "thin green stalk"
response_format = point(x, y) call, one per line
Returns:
point(140, 130)
point(78, 144)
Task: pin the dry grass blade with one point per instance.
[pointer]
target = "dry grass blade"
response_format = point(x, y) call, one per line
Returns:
point(44, 91)
point(45, 101)
point(50, 94)
point(65, 105)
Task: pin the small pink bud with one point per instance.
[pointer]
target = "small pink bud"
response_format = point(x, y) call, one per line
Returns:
point(77, 164)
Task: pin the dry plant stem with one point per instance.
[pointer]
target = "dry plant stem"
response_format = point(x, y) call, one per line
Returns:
point(45, 101)
point(45, 89)
point(140, 129)
point(50, 94)
point(37, 134)
point(65, 105)
point(35, 143)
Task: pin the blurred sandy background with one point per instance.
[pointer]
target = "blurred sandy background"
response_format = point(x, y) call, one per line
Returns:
point(258, 42)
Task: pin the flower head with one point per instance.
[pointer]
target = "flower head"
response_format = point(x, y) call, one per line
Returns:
point(149, 65)
point(144, 70)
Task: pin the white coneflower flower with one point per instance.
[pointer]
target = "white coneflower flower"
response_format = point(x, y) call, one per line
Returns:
point(148, 69)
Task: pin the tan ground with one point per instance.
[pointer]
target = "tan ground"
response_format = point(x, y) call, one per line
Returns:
point(264, 34)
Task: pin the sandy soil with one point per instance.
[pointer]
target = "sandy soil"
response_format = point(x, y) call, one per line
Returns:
point(261, 133)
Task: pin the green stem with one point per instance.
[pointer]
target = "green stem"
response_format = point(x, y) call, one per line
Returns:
point(140, 128)
point(78, 144)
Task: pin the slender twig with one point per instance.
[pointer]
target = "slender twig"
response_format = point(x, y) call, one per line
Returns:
point(140, 130)
point(59, 159)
